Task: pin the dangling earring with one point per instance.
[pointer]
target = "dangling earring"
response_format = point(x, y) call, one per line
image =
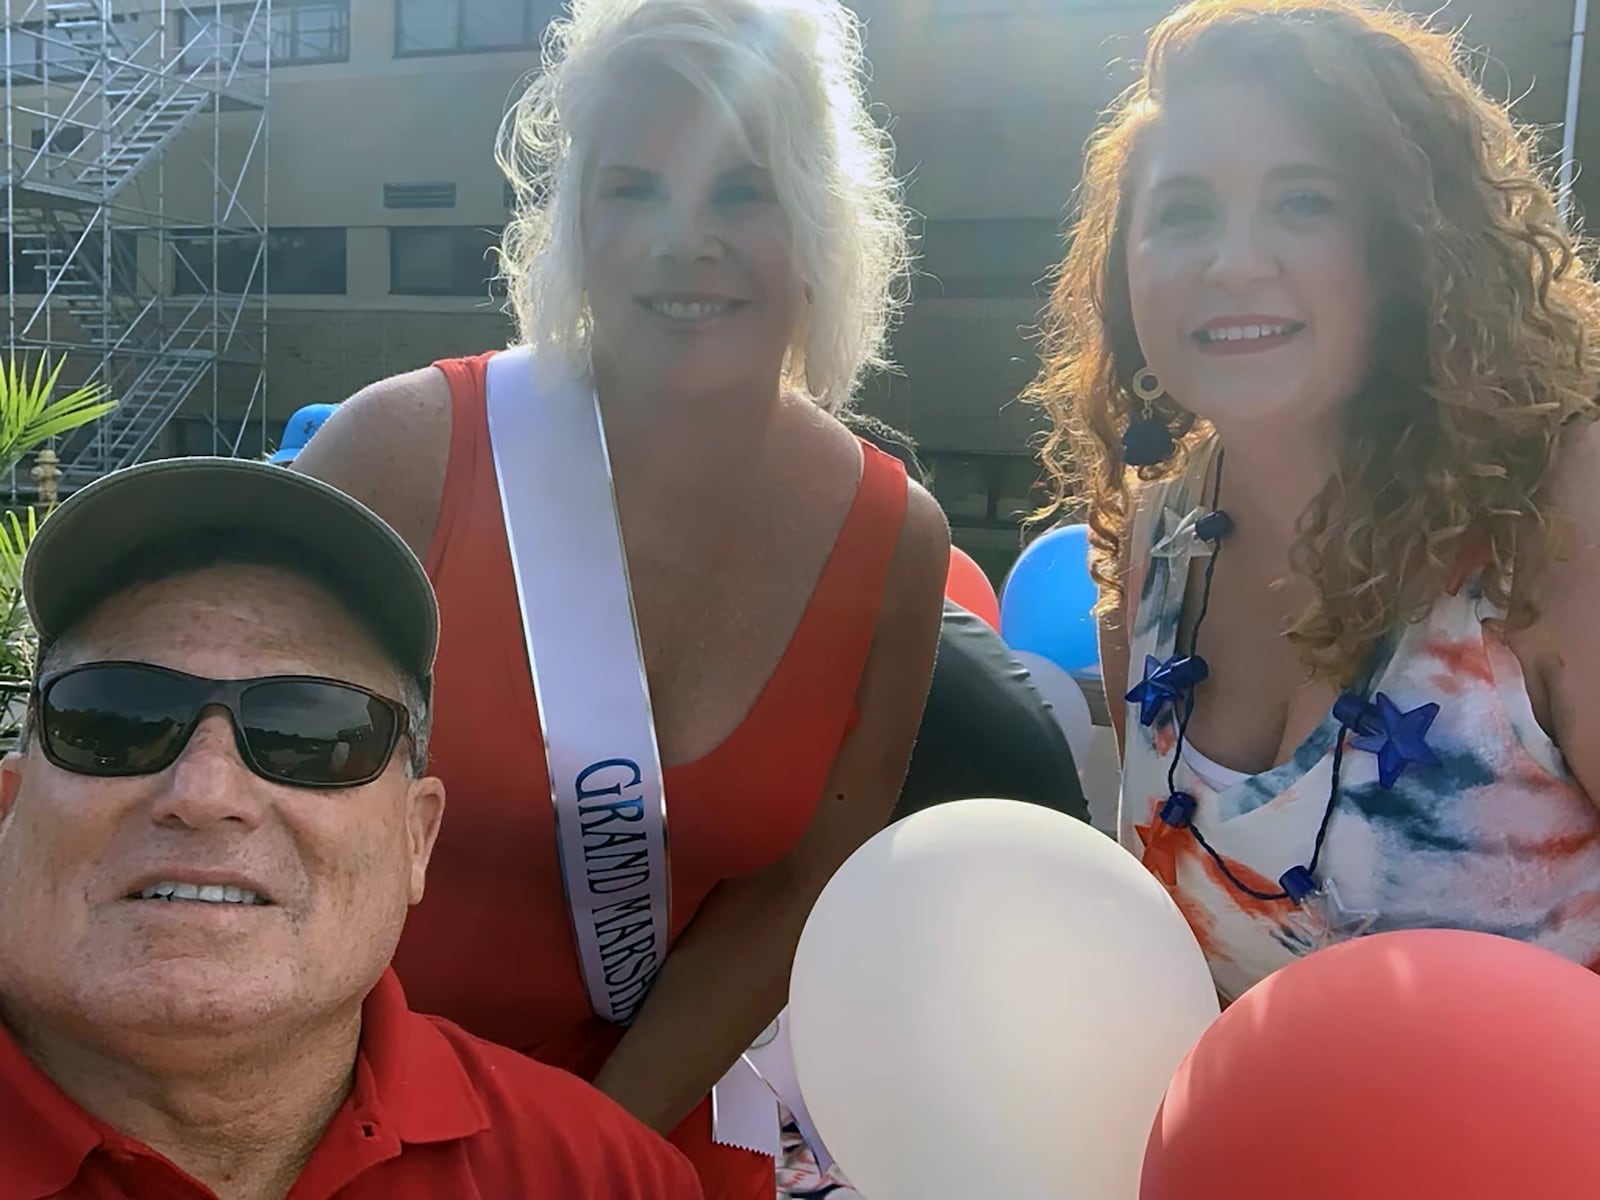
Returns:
point(1147, 441)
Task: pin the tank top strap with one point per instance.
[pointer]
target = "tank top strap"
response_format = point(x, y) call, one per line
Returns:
point(843, 613)
point(1176, 495)
point(469, 449)
point(815, 682)
point(1159, 508)
point(817, 677)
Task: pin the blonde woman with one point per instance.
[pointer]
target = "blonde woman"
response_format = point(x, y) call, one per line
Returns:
point(709, 231)
point(1321, 362)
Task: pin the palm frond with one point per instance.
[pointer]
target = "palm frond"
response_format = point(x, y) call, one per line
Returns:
point(16, 535)
point(30, 412)
point(18, 643)
point(30, 415)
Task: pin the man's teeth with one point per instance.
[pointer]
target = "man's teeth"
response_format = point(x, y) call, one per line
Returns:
point(1242, 333)
point(689, 310)
point(210, 893)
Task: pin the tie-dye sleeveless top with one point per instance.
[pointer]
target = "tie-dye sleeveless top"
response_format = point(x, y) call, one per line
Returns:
point(1497, 837)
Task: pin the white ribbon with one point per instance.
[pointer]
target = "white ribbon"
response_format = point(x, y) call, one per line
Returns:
point(773, 1059)
point(743, 1113)
point(606, 781)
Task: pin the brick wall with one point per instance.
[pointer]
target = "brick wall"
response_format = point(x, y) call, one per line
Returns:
point(319, 357)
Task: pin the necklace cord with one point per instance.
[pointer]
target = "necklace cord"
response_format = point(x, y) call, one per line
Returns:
point(1186, 711)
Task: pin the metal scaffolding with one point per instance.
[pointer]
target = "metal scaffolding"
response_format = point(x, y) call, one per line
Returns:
point(135, 213)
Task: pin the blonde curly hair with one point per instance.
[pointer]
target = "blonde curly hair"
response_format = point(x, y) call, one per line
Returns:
point(791, 72)
point(1482, 356)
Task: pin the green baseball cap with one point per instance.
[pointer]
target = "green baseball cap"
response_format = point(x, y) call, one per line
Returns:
point(91, 545)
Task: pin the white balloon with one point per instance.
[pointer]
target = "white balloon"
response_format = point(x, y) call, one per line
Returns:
point(1066, 700)
point(990, 999)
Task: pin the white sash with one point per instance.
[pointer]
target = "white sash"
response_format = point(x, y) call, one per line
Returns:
point(588, 678)
point(606, 780)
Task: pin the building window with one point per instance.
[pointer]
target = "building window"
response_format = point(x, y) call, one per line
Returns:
point(304, 32)
point(442, 260)
point(299, 262)
point(985, 491)
point(64, 50)
point(82, 255)
point(317, 31)
point(1007, 257)
point(63, 141)
point(464, 26)
point(187, 436)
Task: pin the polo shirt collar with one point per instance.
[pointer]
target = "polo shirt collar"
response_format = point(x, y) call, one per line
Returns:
point(44, 1136)
point(408, 1079)
point(417, 1078)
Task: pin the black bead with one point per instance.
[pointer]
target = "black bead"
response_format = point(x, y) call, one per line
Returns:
point(1352, 711)
point(1298, 882)
point(1184, 671)
point(1147, 443)
point(1214, 526)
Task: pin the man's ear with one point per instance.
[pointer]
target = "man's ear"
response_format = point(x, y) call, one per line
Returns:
point(10, 783)
point(424, 814)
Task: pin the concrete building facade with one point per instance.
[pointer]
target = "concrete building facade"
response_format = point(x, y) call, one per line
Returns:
point(384, 198)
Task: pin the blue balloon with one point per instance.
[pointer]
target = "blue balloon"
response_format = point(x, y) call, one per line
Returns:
point(1046, 607)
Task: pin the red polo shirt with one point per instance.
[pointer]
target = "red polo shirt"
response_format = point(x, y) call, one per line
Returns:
point(434, 1112)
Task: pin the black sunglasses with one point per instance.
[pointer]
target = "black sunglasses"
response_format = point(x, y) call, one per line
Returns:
point(129, 718)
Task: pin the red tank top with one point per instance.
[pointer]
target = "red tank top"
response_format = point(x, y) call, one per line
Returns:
point(490, 946)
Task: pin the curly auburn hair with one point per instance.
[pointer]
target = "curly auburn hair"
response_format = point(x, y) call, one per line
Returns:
point(1482, 359)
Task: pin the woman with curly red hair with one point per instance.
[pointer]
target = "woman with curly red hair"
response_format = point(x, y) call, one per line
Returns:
point(1320, 367)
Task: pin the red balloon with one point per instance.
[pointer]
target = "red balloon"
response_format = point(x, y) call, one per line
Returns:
point(1404, 1066)
point(969, 587)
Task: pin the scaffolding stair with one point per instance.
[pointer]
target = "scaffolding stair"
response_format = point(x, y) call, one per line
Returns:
point(90, 25)
point(117, 94)
point(124, 108)
point(163, 370)
point(142, 134)
point(57, 246)
point(146, 112)
point(144, 407)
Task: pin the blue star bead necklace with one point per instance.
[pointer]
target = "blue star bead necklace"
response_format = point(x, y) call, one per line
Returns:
point(1398, 739)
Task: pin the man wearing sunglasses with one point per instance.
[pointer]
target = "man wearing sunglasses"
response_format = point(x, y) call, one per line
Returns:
point(208, 845)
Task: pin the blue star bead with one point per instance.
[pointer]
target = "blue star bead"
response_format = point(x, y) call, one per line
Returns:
point(1164, 683)
point(1183, 671)
point(1152, 692)
point(1400, 738)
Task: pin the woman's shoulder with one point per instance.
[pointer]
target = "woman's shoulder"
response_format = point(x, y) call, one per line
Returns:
point(1566, 576)
point(1560, 651)
point(1562, 581)
point(817, 439)
point(1574, 470)
point(847, 454)
point(388, 446)
point(828, 460)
